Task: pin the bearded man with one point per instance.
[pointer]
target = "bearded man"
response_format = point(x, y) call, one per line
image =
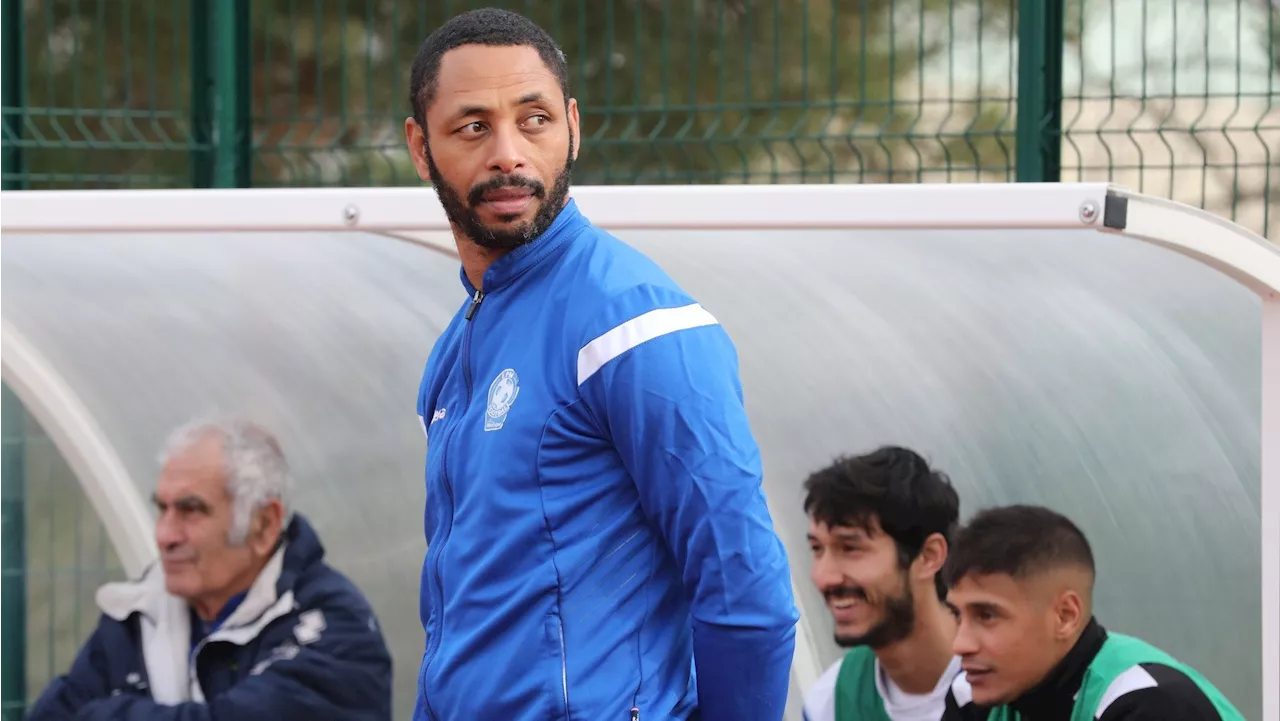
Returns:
point(879, 529)
point(598, 541)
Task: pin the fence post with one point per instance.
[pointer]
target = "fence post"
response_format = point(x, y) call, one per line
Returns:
point(201, 95)
point(13, 558)
point(233, 132)
point(12, 25)
point(1039, 129)
point(221, 124)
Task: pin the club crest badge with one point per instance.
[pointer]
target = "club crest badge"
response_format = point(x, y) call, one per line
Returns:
point(502, 393)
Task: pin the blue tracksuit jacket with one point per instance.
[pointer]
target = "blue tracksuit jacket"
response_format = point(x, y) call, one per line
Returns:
point(598, 538)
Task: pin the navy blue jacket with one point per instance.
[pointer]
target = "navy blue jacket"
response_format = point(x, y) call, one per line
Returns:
point(303, 644)
point(598, 534)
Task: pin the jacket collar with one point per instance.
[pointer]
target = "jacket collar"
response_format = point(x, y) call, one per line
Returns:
point(517, 262)
point(1054, 697)
point(270, 596)
point(147, 595)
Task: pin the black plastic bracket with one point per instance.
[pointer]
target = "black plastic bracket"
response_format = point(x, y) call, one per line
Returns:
point(1115, 212)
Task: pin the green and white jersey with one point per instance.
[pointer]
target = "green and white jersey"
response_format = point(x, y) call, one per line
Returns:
point(855, 688)
point(1113, 677)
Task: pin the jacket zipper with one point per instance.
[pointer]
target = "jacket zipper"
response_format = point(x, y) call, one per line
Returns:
point(444, 479)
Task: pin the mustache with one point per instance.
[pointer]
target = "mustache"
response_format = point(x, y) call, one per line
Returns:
point(857, 593)
point(177, 554)
point(476, 195)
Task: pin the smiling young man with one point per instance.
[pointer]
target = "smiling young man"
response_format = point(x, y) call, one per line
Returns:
point(599, 546)
point(879, 525)
point(1021, 580)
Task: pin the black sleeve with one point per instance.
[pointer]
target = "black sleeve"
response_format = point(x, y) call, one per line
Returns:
point(1173, 697)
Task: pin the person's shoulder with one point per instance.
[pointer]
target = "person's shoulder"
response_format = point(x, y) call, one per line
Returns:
point(1156, 691)
point(323, 586)
point(315, 584)
point(820, 699)
point(613, 285)
point(328, 605)
point(117, 636)
point(611, 266)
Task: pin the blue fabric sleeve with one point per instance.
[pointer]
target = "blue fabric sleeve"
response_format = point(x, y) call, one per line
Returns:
point(673, 408)
point(344, 674)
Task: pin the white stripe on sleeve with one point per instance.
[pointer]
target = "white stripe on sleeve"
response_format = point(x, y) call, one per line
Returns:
point(654, 324)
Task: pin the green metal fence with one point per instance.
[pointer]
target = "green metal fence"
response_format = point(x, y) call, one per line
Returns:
point(13, 561)
point(1175, 97)
point(55, 555)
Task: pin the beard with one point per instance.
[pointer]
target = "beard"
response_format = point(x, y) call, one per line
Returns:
point(462, 212)
point(899, 617)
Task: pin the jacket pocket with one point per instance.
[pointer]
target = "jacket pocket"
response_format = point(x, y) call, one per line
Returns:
point(557, 667)
point(420, 703)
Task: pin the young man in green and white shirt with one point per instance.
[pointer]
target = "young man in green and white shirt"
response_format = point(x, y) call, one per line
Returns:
point(1021, 582)
point(879, 527)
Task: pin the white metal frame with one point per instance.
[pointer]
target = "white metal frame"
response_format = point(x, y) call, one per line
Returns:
point(78, 438)
point(415, 214)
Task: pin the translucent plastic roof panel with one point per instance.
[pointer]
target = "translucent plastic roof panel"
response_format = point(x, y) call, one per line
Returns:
point(321, 337)
point(1109, 379)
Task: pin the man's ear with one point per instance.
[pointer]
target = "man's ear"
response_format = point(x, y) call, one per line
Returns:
point(1069, 615)
point(575, 127)
point(267, 527)
point(933, 554)
point(415, 137)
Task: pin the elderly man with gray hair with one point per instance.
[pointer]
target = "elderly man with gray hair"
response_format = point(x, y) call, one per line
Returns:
point(241, 618)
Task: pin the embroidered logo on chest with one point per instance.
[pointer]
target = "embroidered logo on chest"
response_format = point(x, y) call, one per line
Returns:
point(502, 393)
point(310, 625)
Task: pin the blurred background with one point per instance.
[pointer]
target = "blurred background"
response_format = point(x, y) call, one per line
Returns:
point(1171, 97)
point(1117, 383)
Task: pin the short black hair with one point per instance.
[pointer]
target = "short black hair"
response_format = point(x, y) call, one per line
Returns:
point(1018, 541)
point(895, 487)
point(484, 26)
